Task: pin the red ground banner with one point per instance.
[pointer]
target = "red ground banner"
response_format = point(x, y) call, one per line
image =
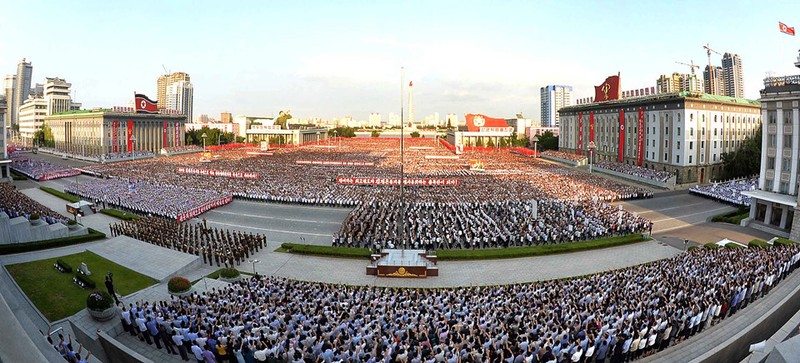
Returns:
point(412, 182)
point(621, 149)
point(334, 163)
point(194, 212)
point(164, 138)
point(580, 134)
point(219, 173)
point(640, 137)
point(591, 127)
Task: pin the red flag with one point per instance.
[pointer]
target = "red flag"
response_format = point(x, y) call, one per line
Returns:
point(785, 29)
point(608, 90)
point(411, 84)
point(143, 104)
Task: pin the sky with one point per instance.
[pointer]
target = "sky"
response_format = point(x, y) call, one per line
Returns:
point(333, 59)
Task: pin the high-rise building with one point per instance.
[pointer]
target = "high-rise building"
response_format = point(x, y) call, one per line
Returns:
point(553, 99)
point(775, 204)
point(164, 82)
point(375, 119)
point(452, 120)
point(8, 92)
point(4, 162)
point(52, 98)
point(733, 84)
point(712, 81)
point(180, 97)
point(56, 92)
point(31, 118)
point(202, 119)
point(22, 87)
point(679, 82)
point(225, 117)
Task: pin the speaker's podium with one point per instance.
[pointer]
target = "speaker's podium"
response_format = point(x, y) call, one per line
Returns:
point(403, 263)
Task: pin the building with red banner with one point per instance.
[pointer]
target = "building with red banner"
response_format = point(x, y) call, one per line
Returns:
point(481, 130)
point(93, 133)
point(684, 133)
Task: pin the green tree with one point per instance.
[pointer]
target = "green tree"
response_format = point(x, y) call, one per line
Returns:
point(414, 134)
point(376, 133)
point(342, 131)
point(548, 141)
point(745, 160)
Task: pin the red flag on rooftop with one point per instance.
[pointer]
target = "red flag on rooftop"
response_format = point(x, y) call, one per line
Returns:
point(143, 104)
point(785, 29)
point(608, 90)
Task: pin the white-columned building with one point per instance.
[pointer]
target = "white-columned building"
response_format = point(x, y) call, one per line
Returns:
point(684, 133)
point(180, 97)
point(553, 98)
point(774, 205)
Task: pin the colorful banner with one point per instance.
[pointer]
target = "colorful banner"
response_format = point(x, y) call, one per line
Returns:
point(640, 137)
point(335, 163)
point(591, 128)
point(608, 90)
point(621, 155)
point(115, 135)
point(164, 137)
point(144, 104)
point(194, 212)
point(412, 182)
point(177, 135)
point(580, 134)
point(129, 134)
point(477, 121)
point(219, 173)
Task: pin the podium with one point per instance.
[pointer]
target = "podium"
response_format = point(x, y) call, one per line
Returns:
point(403, 263)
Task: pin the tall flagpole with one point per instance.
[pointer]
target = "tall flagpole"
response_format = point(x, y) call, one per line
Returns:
point(402, 163)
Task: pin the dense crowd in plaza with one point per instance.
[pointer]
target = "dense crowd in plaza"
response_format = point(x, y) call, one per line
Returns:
point(729, 192)
point(15, 204)
point(42, 170)
point(112, 156)
point(216, 246)
point(614, 316)
point(563, 155)
point(143, 196)
point(489, 208)
point(635, 170)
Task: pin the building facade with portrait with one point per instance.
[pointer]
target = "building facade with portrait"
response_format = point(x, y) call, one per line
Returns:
point(684, 133)
point(99, 132)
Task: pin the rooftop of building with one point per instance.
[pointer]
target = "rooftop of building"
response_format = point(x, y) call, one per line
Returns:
point(109, 111)
point(662, 97)
point(781, 84)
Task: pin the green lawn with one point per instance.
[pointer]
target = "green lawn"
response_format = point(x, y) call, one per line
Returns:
point(54, 293)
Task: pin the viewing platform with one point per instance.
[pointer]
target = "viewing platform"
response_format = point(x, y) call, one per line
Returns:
point(403, 263)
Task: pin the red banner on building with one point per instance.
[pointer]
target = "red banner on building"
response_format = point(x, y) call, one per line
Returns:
point(129, 134)
point(580, 134)
point(621, 155)
point(220, 173)
point(412, 182)
point(115, 135)
point(335, 163)
point(608, 90)
point(640, 137)
point(164, 137)
point(591, 127)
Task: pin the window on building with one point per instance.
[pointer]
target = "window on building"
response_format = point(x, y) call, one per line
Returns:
point(665, 157)
point(786, 164)
point(702, 158)
point(679, 145)
point(702, 144)
point(771, 116)
point(771, 140)
point(677, 159)
point(690, 159)
point(666, 130)
point(784, 187)
point(679, 131)
point(691, 131)
point(666, 143)
point(715, 131)
point(715, 157)
point(787, 141)
point(770, 163)
point(691, 145)
point(715, 144)
point(703, 131)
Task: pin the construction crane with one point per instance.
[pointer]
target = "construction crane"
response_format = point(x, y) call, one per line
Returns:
point(691, 65)
point(165, 69)
point(708, 51)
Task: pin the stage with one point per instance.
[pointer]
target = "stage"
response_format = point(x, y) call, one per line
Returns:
point(403, 263)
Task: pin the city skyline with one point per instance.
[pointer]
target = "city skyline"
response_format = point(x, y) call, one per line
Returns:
point(332, 60)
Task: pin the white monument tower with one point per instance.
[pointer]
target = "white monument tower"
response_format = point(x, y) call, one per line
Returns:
point(411, 105)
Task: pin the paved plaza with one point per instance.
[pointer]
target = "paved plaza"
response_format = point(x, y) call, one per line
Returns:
point(676, 216)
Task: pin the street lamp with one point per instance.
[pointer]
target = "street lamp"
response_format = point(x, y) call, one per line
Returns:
point(592, 146)
point(133, 147)
point(204, 136)
point(254, 262)
point(535, 145)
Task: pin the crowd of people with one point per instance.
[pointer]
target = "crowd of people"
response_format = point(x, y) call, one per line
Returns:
point(563, 155)
point(613, 316)
point(16, 204)
point(144, 196)
point(216, 246)
point(41, 170)
point(112, 156)
point(729, 192)
point(508, 180)
point(66, 348)
point(635, 170)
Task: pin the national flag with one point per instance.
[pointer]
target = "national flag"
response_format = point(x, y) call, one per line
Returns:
point(411, 84)
point(143, 104)
point(785, 29)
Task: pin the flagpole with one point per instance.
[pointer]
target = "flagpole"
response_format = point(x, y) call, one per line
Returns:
point(402, 164)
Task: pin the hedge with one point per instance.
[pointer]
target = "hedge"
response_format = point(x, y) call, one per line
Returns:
point(783, 241)
point(513, 252)
point(712, 246)
point(17, 176)
point(93, 235)
point(68, 197)
point(734, 217)
point(64, 266)
point(303, 249)
point(86, 280)
point(758, 244)
point(483, 254)
point(120, 214)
